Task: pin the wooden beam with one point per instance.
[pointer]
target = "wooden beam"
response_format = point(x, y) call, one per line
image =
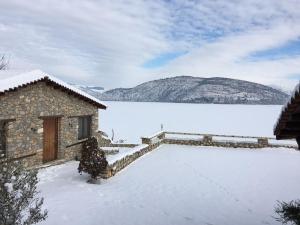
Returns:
point(292, 124)
point(7, 120)
point(279, 137)
point(295, 117)
point(298, 142)
point(289, 133)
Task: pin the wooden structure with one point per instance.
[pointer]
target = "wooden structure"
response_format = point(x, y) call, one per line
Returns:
point(50, 127)
point(288, 124)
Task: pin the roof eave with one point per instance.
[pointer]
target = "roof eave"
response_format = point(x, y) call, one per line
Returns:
point(91, 101)
point(48, 81)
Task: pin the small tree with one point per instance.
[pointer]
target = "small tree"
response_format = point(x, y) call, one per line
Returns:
point(3, 63)
point(93, 159)
point(19, 204)
point(288, 212)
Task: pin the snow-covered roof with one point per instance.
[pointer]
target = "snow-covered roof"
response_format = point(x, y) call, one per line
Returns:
point(12, 80)
point(287, 109)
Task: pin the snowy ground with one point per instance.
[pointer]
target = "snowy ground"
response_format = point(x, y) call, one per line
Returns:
point(131, 120)
point(177, 185)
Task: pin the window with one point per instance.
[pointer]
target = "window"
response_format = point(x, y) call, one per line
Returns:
point(3, 134)
point(84, 127)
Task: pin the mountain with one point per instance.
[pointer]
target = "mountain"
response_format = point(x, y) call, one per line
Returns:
point(92, 90)
point(188, 89)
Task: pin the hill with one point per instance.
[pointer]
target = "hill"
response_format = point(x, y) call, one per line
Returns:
point(188, 89)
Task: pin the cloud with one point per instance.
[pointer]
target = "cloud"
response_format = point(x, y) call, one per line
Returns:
point(108, 42)
point(228, 57)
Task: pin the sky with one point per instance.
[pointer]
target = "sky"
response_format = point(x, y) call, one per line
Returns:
point(122, 43)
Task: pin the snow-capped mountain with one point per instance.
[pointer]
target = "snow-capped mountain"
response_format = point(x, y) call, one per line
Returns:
point(187, 89)
point(92, 90)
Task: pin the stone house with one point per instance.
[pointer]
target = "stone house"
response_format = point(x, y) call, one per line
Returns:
point(44, 119)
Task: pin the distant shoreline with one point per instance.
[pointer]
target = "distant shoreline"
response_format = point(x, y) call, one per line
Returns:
point(196, 103)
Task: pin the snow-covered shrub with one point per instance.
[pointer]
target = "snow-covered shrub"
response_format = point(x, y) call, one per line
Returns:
point(289, 212)
point(93, 159)
point(19, 203)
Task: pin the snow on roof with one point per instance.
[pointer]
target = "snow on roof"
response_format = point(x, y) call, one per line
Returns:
point(11, 80)
point(284, 108)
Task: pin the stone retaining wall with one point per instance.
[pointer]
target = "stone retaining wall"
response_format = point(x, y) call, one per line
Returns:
point(156, 140)
point(228, 144)
point(122, 163)
point(208, 140)
point(118, 145)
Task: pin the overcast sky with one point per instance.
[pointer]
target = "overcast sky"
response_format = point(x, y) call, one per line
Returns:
point(122, 43)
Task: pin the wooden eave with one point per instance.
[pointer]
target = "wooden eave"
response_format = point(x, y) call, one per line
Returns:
point(288, 125)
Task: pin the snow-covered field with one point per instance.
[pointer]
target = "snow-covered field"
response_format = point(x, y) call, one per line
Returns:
point(131, 120)
point(177, 185)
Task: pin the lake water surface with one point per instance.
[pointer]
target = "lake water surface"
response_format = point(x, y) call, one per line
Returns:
point(131, 120)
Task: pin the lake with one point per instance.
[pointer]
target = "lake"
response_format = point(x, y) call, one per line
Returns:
point(131, 120)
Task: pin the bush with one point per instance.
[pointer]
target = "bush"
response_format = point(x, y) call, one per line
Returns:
point(288, 212)
point(19, 204)
point(93, 159)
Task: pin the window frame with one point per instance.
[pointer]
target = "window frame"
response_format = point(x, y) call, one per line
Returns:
point(84, 127)
point(3, 137)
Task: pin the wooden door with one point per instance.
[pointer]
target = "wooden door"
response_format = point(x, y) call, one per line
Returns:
point(50, 139)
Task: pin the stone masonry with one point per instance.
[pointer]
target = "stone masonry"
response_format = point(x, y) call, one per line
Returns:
point(24, 110)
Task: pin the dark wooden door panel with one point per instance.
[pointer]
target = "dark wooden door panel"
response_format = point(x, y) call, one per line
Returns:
point(50, 139)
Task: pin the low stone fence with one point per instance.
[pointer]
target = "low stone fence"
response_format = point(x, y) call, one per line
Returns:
point(196, 139)
point(119, 145)
point(207, 141)
point(118, 165)
point(155, 138)
point(231, 141)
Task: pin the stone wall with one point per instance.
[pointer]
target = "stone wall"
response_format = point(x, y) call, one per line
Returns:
point(152, 142)
point(117, 145)
point(208, 140)
point(25, 109)
point(228, 144)
point(122, 163)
